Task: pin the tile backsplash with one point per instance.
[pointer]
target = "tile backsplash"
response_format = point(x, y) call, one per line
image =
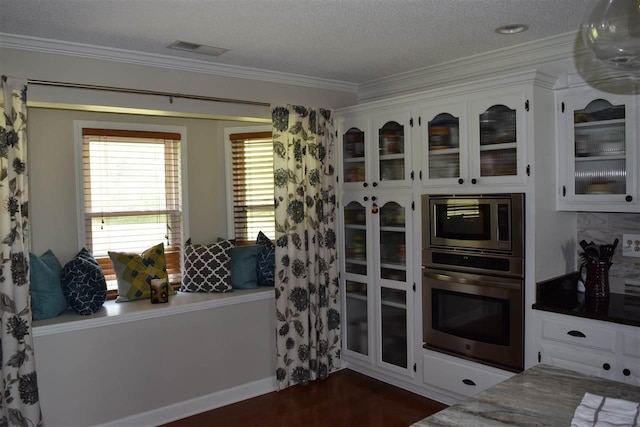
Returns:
point(604, 227)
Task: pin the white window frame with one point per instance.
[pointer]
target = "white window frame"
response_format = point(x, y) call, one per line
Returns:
point(81, 124)
point(229, 169)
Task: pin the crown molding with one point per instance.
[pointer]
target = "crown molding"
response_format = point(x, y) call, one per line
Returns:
point(35, 44)
point(472, 68)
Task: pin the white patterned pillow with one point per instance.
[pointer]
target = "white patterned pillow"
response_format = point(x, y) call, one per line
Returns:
point(207, 268)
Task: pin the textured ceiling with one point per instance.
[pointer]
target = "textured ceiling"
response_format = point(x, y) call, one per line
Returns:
point(352, 41)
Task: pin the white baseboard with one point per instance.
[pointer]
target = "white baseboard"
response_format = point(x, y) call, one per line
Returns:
point(195, 406)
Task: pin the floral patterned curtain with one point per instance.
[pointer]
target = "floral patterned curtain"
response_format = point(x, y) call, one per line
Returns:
point(307, 298)
point(19, 401)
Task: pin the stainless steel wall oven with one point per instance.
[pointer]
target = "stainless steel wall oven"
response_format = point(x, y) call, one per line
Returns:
point(473, 277)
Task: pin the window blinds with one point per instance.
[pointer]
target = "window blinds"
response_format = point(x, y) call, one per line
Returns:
point(132, 195)
point(253, 206)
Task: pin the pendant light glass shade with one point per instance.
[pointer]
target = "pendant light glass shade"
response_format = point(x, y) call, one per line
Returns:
point(611, 32)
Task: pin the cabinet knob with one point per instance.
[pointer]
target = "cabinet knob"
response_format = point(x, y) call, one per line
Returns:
point(364, 184)
point(626, 372)
point(460, 181)
point(375, 184)
point(474, 181)
point(374, 198)
point(628, 198)
point(366, 198)
point(606, 366)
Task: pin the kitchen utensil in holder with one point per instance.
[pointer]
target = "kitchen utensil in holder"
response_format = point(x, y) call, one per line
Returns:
point(597, 280)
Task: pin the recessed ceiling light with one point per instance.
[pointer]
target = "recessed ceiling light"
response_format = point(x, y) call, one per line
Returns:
point(512, 29)
point(197, 48)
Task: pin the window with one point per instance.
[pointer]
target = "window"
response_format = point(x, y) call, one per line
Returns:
point(251, 182)
point(131, 192)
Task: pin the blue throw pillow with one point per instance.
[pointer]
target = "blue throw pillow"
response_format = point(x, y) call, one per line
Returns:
point(45, 274)
point(266, 261)
point(83, 283)
point(244, 262)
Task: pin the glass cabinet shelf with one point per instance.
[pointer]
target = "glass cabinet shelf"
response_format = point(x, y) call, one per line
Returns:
point(357, 295)
point(355, 227)
point(501, 146)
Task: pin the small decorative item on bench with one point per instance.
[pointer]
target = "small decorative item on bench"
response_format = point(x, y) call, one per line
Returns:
point(159, 291)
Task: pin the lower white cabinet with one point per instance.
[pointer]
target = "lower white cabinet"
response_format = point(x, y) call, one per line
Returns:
point(604, 349)
point(459, 376)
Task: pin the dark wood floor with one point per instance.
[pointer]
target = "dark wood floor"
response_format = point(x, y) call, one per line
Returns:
point(346, 398)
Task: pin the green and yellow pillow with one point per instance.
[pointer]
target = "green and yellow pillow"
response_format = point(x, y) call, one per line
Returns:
point(134, 272)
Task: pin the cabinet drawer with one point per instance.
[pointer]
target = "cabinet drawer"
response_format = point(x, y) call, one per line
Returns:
point(458, 377)
point(579, 333)
point(631, 344)
point(599, 364)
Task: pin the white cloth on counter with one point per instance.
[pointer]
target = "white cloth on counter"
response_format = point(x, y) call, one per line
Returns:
point(599, 411)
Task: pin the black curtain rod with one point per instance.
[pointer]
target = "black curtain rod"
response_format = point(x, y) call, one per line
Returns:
point(146, 92)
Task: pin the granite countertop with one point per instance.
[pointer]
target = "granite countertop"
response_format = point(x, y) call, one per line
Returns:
point(543, 395)
point(560, 295)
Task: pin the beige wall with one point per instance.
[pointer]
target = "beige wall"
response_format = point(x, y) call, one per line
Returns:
point(104, 374)
point(46, 66)
point(52, 182)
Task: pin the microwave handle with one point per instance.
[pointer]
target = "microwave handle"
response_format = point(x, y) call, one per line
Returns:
point(464, 280)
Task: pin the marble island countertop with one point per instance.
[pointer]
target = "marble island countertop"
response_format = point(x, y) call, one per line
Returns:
point(543, 395)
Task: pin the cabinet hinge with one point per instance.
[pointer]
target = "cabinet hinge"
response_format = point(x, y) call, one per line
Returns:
point(539, 357)
point(412, 175)
point(337, 178)
point(419, 121)
point(336, 134)
point(528, 170)
point(415, 367)
point(420, 174)
point(564, 191)
point(411, 121)
point(526, 105)
point(562, 108)
point(414, 287)
point(413, 206)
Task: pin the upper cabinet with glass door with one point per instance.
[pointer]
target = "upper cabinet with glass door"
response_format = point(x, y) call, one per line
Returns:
point(377, 159)
point(498, 139)
point(482, 147)
point(445, 145)
point(391, 163)
point(598, 149)
point(355, 153)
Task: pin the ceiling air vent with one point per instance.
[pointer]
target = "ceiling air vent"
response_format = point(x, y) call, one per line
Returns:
point(197, 48)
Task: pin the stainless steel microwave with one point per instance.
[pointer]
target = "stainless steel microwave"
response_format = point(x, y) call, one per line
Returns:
point(492, 223)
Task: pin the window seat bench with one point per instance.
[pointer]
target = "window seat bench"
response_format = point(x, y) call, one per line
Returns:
point(120, 312)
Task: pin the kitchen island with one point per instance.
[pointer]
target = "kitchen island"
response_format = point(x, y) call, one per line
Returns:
point(543, 395)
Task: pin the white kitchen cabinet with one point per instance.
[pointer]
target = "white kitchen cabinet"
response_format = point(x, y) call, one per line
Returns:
point(604, 349)
point(459, 376)
point(376, 150)
point(475, 142)
point(598, 151)
point(377, 279)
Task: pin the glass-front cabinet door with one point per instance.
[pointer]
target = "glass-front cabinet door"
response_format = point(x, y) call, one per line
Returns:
point(355, 153)
point(356, 236)
point(392, 164)
point(600, 145)
point(497, 132)
point(444, 145)
point(392, 217)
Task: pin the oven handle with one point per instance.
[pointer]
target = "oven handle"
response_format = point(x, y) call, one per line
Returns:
point(467, 281)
